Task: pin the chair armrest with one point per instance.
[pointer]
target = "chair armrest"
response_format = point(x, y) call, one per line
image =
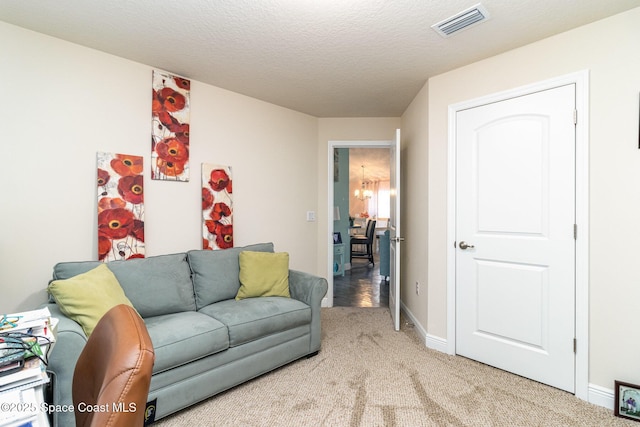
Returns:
point(309, 289)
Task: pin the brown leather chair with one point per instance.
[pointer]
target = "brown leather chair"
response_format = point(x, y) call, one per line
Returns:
point(113, 372)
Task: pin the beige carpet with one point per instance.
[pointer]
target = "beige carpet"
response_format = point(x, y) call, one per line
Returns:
point(368, 375)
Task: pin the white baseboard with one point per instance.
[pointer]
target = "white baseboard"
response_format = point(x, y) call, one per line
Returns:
point(430, 341)
point(437, 343)
point(601, 396)
point(422, 332)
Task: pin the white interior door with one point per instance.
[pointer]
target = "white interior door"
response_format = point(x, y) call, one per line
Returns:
point(515, 216)
point(395, 236)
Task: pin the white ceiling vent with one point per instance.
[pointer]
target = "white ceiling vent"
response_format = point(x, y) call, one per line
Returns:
point(460, 21)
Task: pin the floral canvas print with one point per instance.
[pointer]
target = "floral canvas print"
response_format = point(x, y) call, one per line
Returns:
point(217, 207)
point(170, 132)
point(120, 207)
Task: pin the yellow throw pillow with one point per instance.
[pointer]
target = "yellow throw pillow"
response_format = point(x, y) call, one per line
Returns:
point(263, 274)
point(86, 297)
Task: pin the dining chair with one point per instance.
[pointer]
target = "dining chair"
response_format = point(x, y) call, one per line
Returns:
point(366, 242)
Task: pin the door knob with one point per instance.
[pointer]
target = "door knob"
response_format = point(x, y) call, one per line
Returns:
point(463, 245)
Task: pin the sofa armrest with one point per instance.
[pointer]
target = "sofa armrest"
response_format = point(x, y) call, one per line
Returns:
point(70, 340)
point(310, 290)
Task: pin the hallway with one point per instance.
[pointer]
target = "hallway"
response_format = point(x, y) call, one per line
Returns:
point(362, 286)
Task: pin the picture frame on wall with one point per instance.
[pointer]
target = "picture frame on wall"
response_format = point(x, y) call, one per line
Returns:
point(627, 400)
point(337, 238)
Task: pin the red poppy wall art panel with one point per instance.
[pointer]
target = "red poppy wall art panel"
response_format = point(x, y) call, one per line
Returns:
point(170, 130)
point(120, 207)
point(217, 207)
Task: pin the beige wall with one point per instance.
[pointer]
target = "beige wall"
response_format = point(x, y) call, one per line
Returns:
point(67, 102)
point(415, 197)
point(63, 103)
point(609, 50)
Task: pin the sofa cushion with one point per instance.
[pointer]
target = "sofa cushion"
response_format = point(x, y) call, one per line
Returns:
point(180, 338)
point(263, 274)
point(216, 273)
point(86, 297)
point(155, 285)
point(253, 318)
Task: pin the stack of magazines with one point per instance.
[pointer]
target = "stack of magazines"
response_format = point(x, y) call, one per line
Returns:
point(25, 340)
point(37, 323)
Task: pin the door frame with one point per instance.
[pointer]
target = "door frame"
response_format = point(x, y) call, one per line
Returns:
point(581, 80)
point(327, 301)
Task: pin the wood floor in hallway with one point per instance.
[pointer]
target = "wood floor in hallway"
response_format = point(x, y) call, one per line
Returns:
point(361, 286)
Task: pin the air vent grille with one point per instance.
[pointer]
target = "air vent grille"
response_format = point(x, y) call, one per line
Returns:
point(465, 19)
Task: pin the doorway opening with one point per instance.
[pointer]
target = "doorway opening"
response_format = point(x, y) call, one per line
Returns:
point(357, 282)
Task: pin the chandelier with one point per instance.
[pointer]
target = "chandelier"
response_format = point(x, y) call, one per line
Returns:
point(364, 192)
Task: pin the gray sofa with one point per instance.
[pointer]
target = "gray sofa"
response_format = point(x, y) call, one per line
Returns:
point(204, 340)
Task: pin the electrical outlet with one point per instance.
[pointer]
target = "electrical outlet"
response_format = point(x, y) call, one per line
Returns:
point(417, 288)
point(311, 216)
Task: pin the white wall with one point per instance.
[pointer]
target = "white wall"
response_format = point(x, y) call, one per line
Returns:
point(62, 103)
point(609, 50)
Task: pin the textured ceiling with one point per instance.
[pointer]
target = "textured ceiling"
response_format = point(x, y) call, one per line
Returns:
point(376, 162)
point(327, 58)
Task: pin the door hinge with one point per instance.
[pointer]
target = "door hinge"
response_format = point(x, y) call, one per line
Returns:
point(575, 231)
point(575, 345)
point(575, 117)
